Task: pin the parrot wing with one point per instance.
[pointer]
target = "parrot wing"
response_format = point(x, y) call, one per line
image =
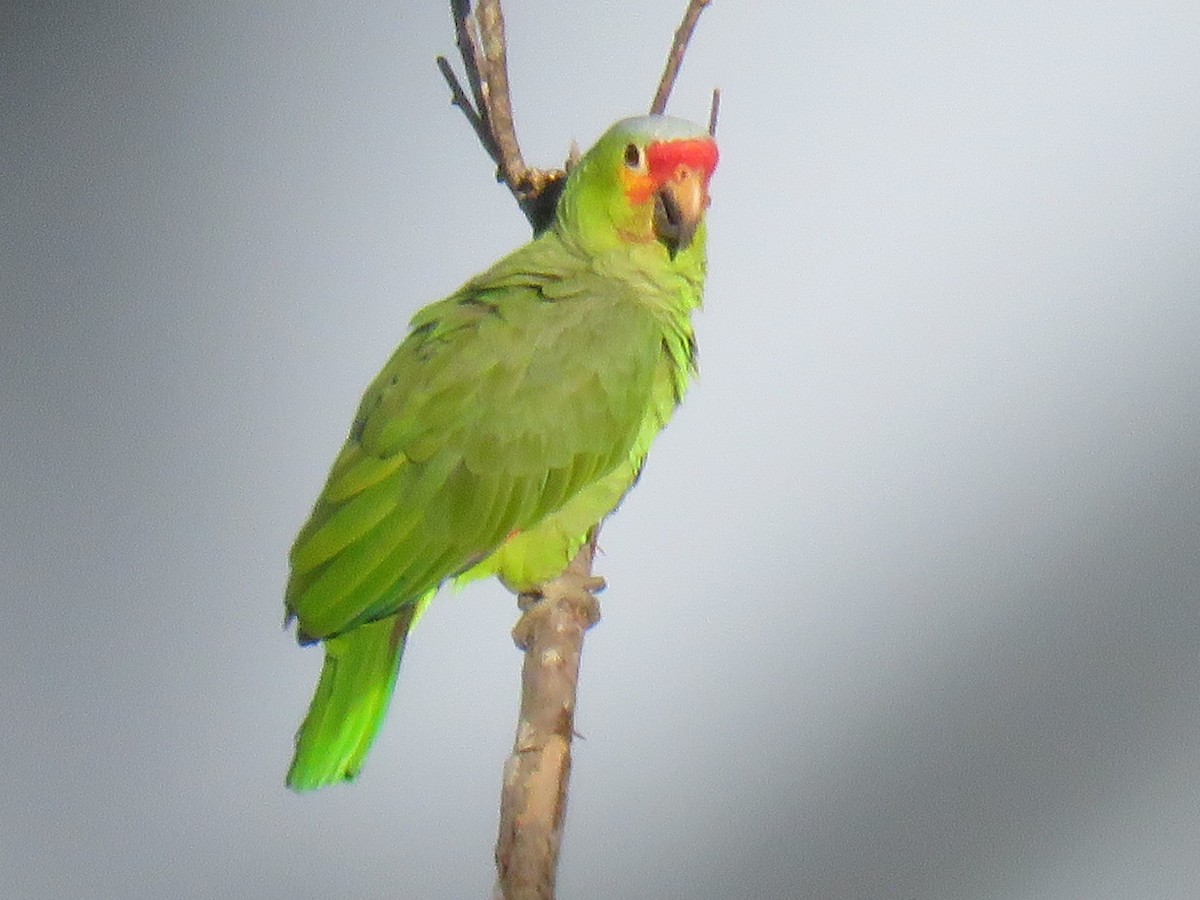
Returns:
point(507, 399)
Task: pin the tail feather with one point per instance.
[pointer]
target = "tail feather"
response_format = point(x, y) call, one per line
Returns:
point(351, 700)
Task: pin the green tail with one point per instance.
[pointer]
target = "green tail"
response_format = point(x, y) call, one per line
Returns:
point(350, 702)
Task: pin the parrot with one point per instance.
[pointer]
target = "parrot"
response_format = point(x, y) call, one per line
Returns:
point(512, 418)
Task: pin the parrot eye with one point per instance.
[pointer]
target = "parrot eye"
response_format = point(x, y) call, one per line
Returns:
point(633, 157)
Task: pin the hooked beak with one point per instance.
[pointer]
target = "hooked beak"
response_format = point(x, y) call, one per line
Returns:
point(678, 207)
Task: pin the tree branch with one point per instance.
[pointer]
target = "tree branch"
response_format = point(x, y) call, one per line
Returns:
point(555, 618)
point(533, 800)
point(467, 38)
point(683, 34)
point(459, 99)
point(496, 96)
point(481, 44)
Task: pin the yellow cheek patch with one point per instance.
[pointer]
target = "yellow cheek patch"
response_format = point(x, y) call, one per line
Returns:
point(638, 186)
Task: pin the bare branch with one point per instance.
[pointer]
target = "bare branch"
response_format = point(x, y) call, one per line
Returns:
point(496, 94)
point(467, 39)
point(533, 800)
point(481, 44)
point(675, 58)
point(713, 111)
point(555, 618)
point(459, 98)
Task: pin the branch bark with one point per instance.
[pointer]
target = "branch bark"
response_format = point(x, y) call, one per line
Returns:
point(555, 618)
point(481, 45)
point(533, 800)
point(683, 35)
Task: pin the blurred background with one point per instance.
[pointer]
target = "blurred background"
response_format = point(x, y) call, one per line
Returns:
point(906, 603)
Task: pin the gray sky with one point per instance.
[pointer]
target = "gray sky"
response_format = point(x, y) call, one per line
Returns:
point(905, 605)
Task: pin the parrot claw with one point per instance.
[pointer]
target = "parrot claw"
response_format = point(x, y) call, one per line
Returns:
point(576, 592)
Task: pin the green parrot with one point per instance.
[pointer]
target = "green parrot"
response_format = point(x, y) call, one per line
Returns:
point(513, 417)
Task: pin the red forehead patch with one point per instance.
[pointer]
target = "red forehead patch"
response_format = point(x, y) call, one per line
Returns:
point(664, 157)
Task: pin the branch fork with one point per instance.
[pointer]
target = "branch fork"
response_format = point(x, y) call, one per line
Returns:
point(555, 618)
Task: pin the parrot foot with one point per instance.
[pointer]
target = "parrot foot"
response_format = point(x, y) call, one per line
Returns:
point(576, 592)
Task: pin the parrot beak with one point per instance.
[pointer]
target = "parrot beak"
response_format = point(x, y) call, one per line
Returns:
point(679, 206)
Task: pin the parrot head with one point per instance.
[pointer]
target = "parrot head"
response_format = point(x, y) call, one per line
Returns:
point(645, 182)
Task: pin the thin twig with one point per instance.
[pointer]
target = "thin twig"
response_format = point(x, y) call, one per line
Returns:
point(713, 111)
point(466, 37)
point(459, 98)
point(675, 58)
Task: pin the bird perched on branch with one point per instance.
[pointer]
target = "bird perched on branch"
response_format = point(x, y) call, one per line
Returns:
point(513, 418)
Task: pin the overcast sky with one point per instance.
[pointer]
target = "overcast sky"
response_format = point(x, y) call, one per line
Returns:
point(906, 604)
